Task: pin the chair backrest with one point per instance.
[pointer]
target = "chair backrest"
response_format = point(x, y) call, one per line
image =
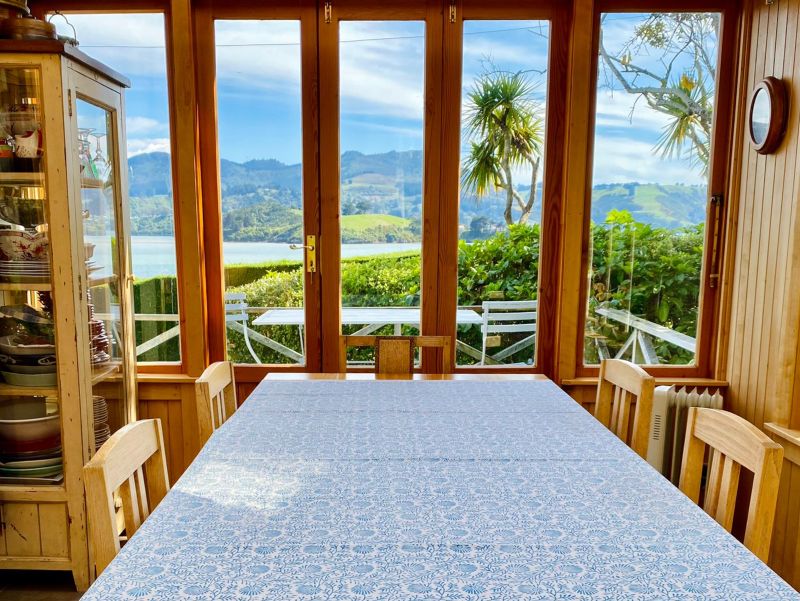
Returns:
point(236, 307)
point(733, 443)
point(509, 316)
point(620, 383)
point(132, 461)
point(394, 355)
point(216, 397)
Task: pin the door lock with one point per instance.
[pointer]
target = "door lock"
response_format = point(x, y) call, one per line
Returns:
point(311, 252)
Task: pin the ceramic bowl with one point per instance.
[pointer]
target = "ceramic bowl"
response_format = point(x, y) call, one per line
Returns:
point(27, 425)
point(23, 246)
point(42, 380)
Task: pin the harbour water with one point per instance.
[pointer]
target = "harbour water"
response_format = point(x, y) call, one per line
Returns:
point(155, 255)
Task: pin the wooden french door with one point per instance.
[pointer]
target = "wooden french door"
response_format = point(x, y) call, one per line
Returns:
point(345, 56)
point(359, 42)
point(259, 107)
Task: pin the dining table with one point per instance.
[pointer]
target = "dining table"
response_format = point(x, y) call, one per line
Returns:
point(504, 488)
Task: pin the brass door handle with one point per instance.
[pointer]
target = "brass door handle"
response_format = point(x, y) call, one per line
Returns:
point(311, 252)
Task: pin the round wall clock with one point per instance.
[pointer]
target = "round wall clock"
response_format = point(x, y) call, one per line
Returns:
point(768, 114)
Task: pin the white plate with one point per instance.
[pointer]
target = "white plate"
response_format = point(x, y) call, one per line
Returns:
point(31, 463)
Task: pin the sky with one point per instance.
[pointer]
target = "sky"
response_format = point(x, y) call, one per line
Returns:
point(381, 88)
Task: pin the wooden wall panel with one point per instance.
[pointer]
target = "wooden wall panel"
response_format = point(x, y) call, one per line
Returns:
point(172, 400)
point(763, 340)
point(764, 327)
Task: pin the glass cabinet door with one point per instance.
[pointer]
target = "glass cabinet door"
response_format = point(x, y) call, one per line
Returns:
point(105, 263)
point(30, 426)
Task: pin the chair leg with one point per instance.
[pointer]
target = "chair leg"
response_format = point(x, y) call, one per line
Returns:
point(249, 345)
point(302, 342)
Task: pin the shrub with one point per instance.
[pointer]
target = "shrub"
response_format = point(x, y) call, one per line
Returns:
point(654, 273)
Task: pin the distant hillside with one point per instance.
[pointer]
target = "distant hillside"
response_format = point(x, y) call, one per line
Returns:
point(657, 204)
point(262, 199)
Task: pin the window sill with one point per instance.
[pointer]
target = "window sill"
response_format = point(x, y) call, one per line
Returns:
point(660, 381)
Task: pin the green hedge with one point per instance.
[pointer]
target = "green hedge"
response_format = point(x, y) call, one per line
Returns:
point(158, 295)
point(652, 272)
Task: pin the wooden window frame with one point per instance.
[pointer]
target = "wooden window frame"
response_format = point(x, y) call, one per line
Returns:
point(188, 343)
point(206, 12)
point(558, 15)
point(431, 12)
point(718, 218)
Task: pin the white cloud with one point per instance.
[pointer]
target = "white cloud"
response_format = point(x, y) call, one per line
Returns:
point(137, 125)
point(624, 159)
point(144, 145)
point(621, 110)
point(131, 44)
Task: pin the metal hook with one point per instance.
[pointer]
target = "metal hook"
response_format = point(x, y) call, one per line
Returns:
point(69, 40)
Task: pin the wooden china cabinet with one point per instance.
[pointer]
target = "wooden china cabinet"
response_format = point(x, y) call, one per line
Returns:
point(67, 351)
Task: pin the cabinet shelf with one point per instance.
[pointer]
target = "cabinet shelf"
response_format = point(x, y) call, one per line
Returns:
point(102, 281)
point(99, 374)
point(92, 183)
point(10, 390)
point(104, 372)
point(21, 177)
point(43, 287)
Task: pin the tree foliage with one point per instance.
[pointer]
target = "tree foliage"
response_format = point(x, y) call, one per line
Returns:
point(670, 63)
point(506, 128)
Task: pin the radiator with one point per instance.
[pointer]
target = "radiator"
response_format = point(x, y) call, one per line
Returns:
point(668, 425)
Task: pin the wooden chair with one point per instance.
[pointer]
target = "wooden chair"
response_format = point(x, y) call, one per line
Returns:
point(733, 442)
point(621, 382)
point(216, 397)
point(118, 465)
point(394, 355)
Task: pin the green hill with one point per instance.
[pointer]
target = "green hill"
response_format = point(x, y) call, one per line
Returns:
point(381, 199)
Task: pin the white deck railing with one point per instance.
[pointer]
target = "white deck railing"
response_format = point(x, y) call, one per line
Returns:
point(640, 341)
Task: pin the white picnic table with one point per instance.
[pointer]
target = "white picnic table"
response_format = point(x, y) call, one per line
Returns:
point(372, 318)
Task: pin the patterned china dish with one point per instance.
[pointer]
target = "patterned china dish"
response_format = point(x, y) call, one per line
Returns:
point(23, 246)
point(30, 351)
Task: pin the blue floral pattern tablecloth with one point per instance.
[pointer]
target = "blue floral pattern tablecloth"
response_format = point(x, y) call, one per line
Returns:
point(426, 490)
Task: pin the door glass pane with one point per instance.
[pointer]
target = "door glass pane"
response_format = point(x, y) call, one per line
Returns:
point(96, 157)
point(28, 379)
point(382, 95)
point(504, 96)
point(655, 104)
point(260, 148)
point(133, 44)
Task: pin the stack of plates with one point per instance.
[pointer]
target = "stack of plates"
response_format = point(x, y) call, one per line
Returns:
point(44, 467)
point(44, 463)
point(101, 430)
point(100, 410)
point(101, 434)
point(25, 272)
point(100, 343)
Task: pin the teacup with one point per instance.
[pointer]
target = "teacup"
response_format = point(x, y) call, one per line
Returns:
point(23, 246)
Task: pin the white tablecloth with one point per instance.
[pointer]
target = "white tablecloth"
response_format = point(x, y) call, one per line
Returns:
point(447, 490)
